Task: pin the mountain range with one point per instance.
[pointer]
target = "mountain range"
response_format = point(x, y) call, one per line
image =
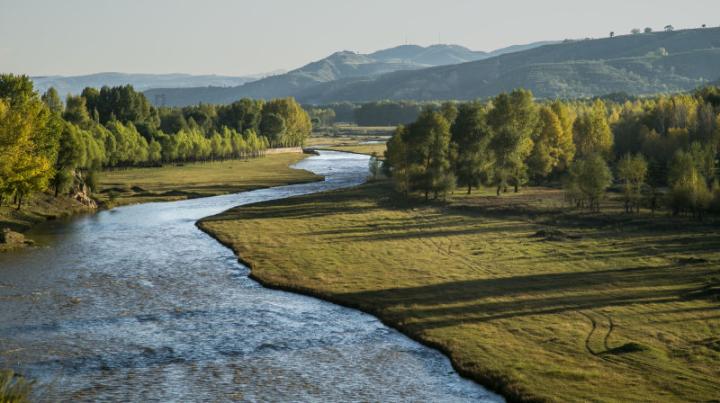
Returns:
point(75, 84)
point(334, 68)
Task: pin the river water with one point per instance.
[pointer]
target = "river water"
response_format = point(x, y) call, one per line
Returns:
point(137, 304)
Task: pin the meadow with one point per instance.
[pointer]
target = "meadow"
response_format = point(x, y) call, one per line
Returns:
point(534, 300)
point(183, 181)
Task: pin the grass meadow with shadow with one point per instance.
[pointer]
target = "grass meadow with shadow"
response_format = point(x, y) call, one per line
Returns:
point(536, 302)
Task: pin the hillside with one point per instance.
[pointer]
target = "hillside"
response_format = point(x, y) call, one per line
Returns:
point(75, 84)
point(637, 64)
point(339, 66)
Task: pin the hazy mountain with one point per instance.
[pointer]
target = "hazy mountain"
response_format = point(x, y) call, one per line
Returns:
point(141, 82)
point(338, 66)
point(637, 64)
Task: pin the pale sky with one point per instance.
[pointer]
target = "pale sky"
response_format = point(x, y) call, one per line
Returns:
point(69, 37)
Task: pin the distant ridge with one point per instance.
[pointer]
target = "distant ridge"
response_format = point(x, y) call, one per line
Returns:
point(641, 64)
point(339, 66)
point(75, 84)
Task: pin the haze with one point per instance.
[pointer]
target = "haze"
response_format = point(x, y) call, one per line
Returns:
point(245, 37)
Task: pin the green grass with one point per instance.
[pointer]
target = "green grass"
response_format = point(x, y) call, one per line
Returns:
point(532, 301)
point(171, 182)
point(348, 144)
point(13, 389)
point(174, 182)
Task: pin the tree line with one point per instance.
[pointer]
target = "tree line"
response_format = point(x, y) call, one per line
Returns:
point(46, 143)
point(665, 143)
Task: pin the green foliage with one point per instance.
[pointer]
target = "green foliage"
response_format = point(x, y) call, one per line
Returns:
point(592, 131)
point(374, 166)
point(689, 191)
point(473, 160)
point(587, 181)
point(513, 118)
point(296, 121)
point(632, 170)
point(53, 101)
point(14, 388)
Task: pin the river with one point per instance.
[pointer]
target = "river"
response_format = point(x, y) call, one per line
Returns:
point(137, 304)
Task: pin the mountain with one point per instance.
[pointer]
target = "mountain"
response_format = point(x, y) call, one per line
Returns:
point(336, 67)
point(639, 64)
point(75, 84)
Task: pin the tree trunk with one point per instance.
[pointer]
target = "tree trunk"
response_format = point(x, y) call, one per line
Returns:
point(20, 198)
point(469, 190)
point(516, 187)
point(498, 190)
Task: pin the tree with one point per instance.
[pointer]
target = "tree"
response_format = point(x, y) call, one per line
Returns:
point(647, 30)
point(69, 156)
point(297, 121)
point(470, 137)
point(669, 28)
point(29, 134)
point(76, 110)
point(635, 31)
point(588, 179)
point(592, 132)
point(53, 101)
point(512, 119)
point(553, 148)
point(612, 34)
point(374, 166)
point(689, 191)
point(273, 126)
point(632, 170)
point(397, 161)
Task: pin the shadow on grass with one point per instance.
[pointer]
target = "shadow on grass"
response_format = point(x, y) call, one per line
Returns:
point(482, 300)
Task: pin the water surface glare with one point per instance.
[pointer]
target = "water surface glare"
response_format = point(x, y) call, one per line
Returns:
point(137, 304)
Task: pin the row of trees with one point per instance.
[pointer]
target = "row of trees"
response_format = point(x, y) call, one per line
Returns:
point(45, 143)
point(664, 142)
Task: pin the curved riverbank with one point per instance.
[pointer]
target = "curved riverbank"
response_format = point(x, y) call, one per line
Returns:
point(496, 383)
point(483, 376)
point(137, 303)
point(571, 318)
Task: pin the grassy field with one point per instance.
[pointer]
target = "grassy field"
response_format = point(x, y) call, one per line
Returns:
point(353, 144)
point(171, 182)
point(139, 185)
point(37, 209)
point(535, 302)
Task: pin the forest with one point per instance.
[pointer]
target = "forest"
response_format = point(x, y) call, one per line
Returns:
point(46, 143)
point(659, 151)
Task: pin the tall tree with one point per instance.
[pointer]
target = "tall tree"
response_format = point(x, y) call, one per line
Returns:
point(513, 118)
point(592, 132)
point(470, 137)
point(632, 170)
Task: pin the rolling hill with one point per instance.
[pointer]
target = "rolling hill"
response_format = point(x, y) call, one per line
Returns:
point(336, 67)
point(639, 64)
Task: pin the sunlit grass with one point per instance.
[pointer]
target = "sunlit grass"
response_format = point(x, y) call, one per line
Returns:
point(13, 388)
point(180, 181)
point(526, 298)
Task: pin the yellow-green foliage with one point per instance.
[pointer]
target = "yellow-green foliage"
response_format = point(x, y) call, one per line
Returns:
point(173, 182)
point(576, 307)
point(13, 389)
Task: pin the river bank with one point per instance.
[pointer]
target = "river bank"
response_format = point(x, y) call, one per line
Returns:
point(136, 303)
point(167, 183)
point(534, 303)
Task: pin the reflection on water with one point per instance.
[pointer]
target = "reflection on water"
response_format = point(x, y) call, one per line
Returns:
point(137, 304)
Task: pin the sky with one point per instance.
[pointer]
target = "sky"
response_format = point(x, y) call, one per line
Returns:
point(242, 37)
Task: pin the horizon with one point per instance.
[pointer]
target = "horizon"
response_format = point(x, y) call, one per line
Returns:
point(161, 28)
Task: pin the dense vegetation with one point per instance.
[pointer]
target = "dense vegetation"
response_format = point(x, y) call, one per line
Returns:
point(669, 141)
point(45, 143)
